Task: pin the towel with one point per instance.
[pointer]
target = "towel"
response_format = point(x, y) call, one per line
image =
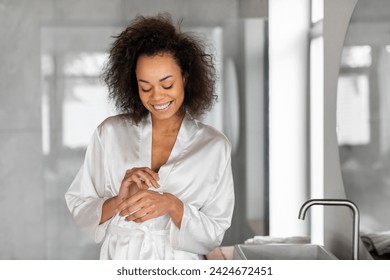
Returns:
point(278, 240)
point(378, 242)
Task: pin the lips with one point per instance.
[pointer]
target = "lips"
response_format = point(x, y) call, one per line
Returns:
point(163, 106)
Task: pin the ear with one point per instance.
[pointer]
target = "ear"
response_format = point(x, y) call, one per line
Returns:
point(185, 79)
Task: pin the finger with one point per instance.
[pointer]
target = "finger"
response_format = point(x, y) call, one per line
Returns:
point(153, 174)
point(137, 214)
point(135, 203)
point(138, 180)
point(142, 218)
point(128, 210)
point(127, 183)
point(148, 216)
point(130, 201)
point(145, 174)
point(147, 170)
point(140, 204)
point(147, 179)
point(144, 186)
point(151, 183)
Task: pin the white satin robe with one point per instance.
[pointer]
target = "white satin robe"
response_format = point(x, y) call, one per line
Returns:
point(198, 172)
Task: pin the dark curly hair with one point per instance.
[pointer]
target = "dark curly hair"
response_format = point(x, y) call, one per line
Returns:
point(151, 36)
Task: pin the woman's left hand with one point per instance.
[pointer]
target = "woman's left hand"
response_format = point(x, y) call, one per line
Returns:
point(147, 204)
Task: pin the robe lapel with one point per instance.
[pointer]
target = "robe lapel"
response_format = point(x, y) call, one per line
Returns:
point(187, 129)
point(145, 156)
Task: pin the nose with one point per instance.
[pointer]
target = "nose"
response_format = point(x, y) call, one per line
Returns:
point(157, 94)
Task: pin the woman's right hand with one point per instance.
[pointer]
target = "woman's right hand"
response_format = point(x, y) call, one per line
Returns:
point(135, 179)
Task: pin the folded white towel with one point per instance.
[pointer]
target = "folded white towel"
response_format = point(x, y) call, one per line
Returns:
point(277, 240)
point(378, 241)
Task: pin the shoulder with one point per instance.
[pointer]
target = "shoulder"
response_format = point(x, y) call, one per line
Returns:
point(211, 132)
point(113, 123)
point(114, 127)
point(211, 136)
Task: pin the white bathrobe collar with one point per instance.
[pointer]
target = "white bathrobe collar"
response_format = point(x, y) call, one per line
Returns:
point(187, 129)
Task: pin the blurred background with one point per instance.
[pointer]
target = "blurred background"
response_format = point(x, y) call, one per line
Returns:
point(52, 98)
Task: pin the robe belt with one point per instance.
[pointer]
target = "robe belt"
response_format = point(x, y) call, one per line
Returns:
point(149, 249)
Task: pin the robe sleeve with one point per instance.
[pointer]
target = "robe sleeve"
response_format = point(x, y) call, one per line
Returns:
point(85, 196)
point(203, 229)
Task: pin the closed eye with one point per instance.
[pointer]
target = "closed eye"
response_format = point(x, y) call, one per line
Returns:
point(146, 90)
point(168, 87)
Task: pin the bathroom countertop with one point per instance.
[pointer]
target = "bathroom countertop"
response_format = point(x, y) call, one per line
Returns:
point(221, 253)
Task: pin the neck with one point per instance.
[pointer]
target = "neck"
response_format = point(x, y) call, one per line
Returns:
point(167, 126)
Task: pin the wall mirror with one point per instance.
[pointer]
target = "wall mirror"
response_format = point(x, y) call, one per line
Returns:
point(363, 120)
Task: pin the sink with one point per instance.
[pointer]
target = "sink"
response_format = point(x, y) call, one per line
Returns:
point(281, 252)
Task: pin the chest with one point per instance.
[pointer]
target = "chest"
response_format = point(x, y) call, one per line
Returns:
point(162, 146)
point(183, 168)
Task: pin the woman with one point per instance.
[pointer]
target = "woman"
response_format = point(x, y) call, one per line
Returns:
point(156, 183)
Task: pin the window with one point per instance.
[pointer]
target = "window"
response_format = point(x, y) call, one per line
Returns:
point(316, 97)
point(317, 10)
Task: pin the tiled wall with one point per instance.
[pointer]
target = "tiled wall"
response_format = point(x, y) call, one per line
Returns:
point(22, 233)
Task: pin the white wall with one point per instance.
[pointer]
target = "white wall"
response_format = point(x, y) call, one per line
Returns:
point(288, 132)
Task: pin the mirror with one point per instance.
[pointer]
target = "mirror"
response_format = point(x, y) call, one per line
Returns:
point(363, 120)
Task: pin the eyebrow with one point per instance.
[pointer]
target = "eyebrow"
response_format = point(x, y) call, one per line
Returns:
point(161, 80)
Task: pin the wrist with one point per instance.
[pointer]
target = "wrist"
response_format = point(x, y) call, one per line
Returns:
point(108, 209)
point(117, 200)
point(176, 209)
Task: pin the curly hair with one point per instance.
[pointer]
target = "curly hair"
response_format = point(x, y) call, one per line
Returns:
point(151, 36)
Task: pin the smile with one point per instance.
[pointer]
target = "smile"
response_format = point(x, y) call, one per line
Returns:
point(161, 107)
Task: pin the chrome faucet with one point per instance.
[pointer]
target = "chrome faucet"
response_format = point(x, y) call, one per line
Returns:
point(337, 202)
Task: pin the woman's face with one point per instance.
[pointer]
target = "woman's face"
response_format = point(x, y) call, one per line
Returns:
point(160, 85)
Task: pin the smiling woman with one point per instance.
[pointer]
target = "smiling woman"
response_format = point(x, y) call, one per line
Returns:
point(145, 189)
point(161, 86)
point(148, 37)
point(161, 90)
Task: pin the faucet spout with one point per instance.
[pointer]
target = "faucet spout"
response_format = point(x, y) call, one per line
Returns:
point(337, 202)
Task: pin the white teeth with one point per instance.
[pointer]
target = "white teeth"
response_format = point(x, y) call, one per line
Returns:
point(162, 106)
